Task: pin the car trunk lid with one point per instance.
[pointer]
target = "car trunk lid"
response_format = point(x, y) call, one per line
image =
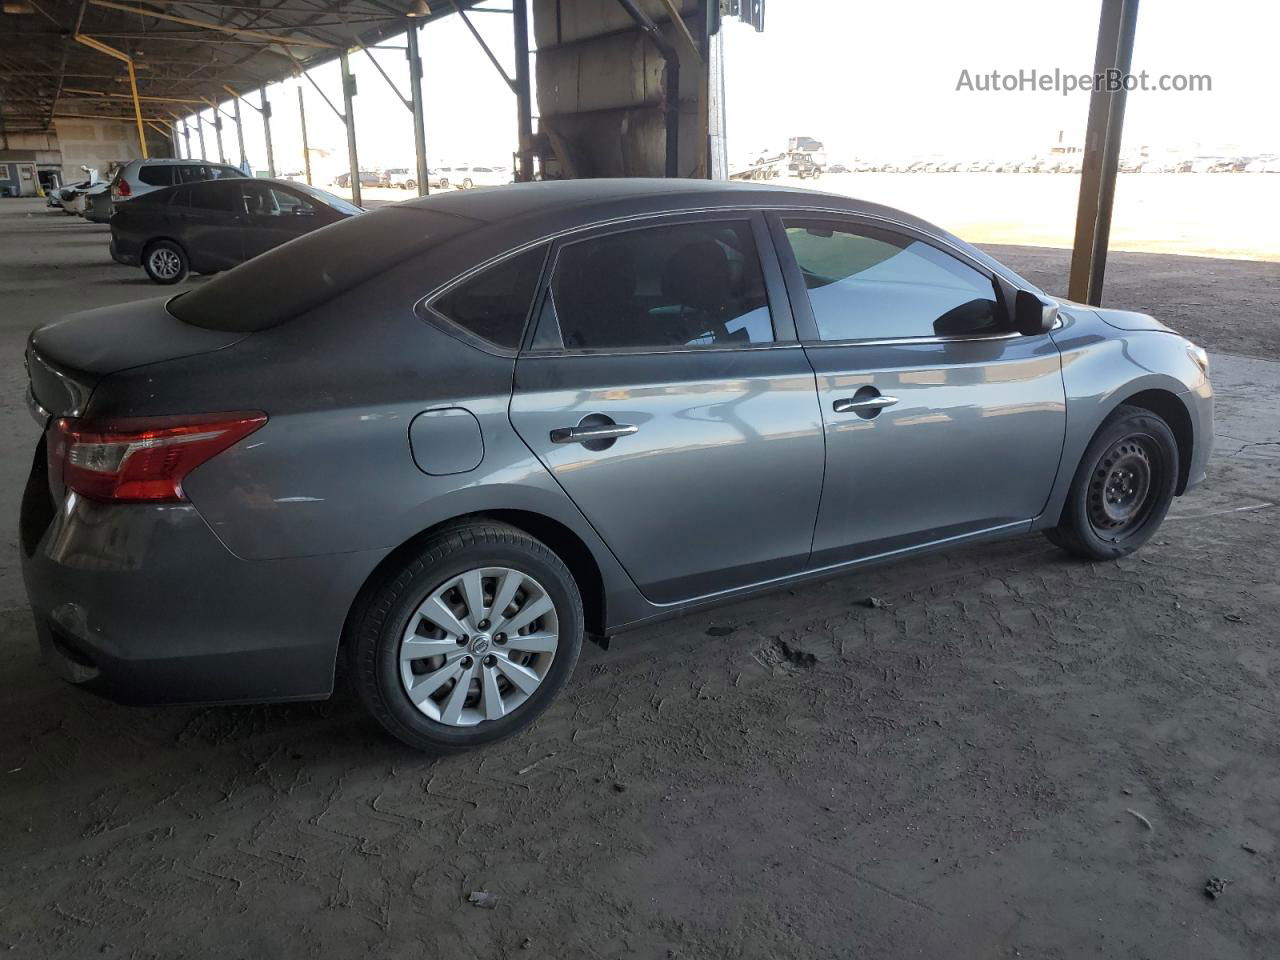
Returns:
point(67, 359)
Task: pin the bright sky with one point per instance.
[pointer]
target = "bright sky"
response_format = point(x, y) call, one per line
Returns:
point(870, 80)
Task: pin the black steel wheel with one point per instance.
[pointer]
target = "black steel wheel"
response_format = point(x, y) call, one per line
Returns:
point(1122, 488)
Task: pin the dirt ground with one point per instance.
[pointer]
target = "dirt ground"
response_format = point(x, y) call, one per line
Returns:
point(1012, 755)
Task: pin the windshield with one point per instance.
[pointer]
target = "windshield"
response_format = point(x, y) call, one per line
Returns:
point(324, 196)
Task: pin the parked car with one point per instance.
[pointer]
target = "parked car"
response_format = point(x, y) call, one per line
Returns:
point(400, 177)
point(59, 197)
point(214, 225)
point(368, 178)
point(95, 204)
point(467, 176)
point(140, 177)
point(448, 439)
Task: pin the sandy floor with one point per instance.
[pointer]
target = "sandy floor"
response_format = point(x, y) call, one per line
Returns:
point(1015, 756)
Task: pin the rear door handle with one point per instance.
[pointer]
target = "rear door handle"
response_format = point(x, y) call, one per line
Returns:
point(863, 404)
point(593, 433)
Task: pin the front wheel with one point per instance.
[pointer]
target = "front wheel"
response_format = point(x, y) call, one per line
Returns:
point(444, 183)
point(470, 640)
point(409, 185)
point(467, 184)
point(166, 262)
point(1122, 488)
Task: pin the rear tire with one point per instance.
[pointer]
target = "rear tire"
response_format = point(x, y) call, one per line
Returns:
point(1122, 488)
point(166, 262)
point(467, 184)
point(444, 183)
point(435, 624)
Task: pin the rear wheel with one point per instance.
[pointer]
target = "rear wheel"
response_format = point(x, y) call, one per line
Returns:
point(470, 641)
point(410, 185)
point(467, 184)
point(444, 183)
point(166, 262)
point(1122, 488)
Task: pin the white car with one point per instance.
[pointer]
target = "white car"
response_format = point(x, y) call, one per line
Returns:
point(467, 176)
point(142, 176)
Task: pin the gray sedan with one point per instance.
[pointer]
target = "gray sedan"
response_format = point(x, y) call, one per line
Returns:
point(448, 440)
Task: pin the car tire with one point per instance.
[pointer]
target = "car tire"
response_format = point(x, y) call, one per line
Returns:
point(391, 620)
point(1122, 487)
point(444, 183)
point(166, 262)
point(467, 184)
point(409, 185)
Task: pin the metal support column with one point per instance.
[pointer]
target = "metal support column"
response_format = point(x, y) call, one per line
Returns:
point(186, 138)
point(217, 129)
point(265, 110)
point(349, 121)
point(415, 97)
point(244, 160)
point(306, 148)
point(1116, 30)
point(204, 153)
point(524, 99)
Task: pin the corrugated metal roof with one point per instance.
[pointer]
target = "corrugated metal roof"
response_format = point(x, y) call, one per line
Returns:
point(183, 50)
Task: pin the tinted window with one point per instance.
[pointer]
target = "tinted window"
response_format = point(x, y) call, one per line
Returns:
point(156, 175)
point(494, 304)
point(682, 285)
point(869, 284)
point(215, 196)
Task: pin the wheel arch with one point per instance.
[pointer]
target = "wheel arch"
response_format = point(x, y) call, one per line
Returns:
point(563, 541)
point(1169, 407)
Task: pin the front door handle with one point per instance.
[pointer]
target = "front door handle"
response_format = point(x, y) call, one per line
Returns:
point(593, 433)
point(863, 404)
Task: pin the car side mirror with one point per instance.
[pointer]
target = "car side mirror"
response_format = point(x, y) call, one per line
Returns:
point(1033, 314)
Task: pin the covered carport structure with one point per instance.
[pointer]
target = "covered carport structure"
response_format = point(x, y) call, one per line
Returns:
point(624, 87)
point(620, 80)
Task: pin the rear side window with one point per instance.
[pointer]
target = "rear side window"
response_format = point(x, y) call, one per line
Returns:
point(494, 304)
point(215, 196)
point(690, 285)
point(871, 284)
point(156, 175)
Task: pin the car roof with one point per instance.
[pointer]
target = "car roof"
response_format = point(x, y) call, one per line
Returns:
point(587, 201)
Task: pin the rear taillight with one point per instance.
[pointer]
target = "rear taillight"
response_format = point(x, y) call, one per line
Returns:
point(121, 188)
point(142, 461)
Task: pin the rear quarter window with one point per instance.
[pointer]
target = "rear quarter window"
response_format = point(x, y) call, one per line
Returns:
point(493, 304)
point(156, 175)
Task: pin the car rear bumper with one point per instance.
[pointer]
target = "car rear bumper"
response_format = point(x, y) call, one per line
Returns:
point(144, 605)
point(122, 254)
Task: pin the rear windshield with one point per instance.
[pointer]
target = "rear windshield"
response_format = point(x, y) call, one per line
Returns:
point(304, 273)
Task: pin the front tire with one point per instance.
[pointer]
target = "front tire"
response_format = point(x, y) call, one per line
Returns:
point(470, 640)
point(166, 262)
point(1122, 488)
point(467, 184)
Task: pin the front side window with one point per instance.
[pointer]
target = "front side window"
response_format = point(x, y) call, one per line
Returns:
point(264, 201)
point(156, 175)
point(870, 284)
point(494, 303)
point(695, 284)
